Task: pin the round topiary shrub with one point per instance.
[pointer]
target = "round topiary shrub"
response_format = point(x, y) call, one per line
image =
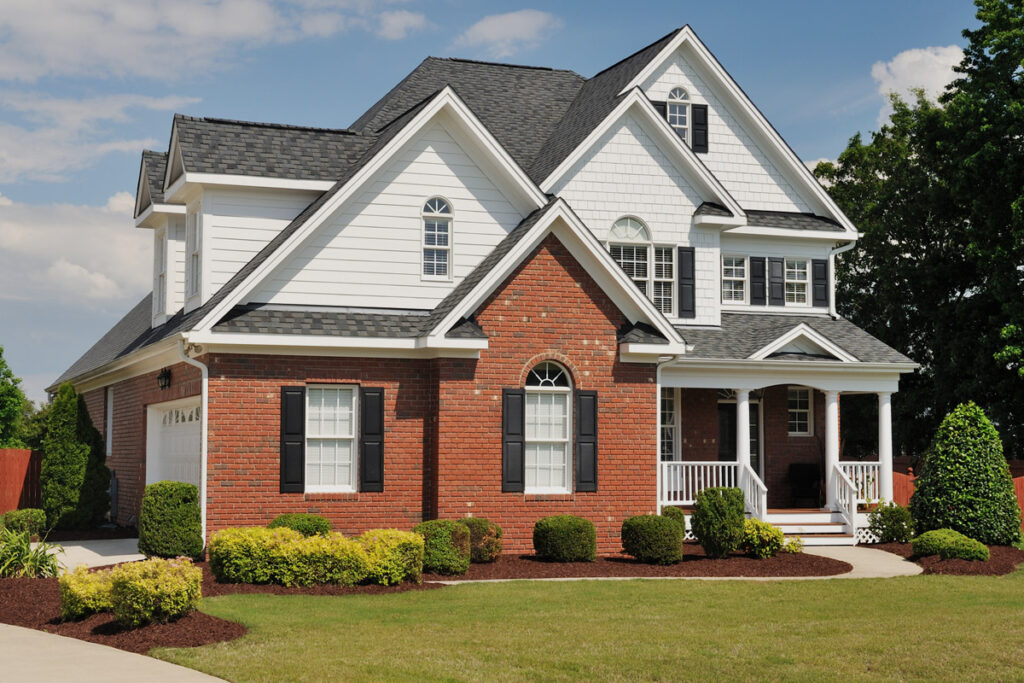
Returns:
point(484, 539)
point(445, 546)
point(965, 482)
point(565, 538)
point(717, 520)
point(675, 513)
point(170, 524)
point(653, 539)
point(949, 544)
point(306, 524)
point(891, 523)
point(761, 539)
point(154, 590)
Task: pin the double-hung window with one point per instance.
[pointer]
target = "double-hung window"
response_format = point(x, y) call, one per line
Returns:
point(330, 438)
point(193, 277)
point(796, 281)
point(650, 267)
point(734, 279)
point(548, 435)
point(160, 269)
point(799, 411)
point(668, 423)
point(437, 239)
point(677, 111)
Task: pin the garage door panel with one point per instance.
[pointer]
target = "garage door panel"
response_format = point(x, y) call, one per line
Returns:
point(174, 449)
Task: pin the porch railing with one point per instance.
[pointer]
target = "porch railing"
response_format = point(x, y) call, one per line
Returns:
point(681, 481)
point(755, 493)
point(865, 478)
point(846, 497)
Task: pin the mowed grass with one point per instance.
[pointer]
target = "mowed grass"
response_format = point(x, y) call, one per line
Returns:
point(926, 627)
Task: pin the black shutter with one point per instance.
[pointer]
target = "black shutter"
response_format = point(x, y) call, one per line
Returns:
point(586, 440)
point(699, 127)
point(293, 439)
point(371, 439)
point(661, 108)
point(687, 283)
point(758, 293)
point(819, 281)
point(513, 437)
point(776, 282)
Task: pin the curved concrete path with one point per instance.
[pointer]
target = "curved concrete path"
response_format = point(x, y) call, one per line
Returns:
point(98, 553)
point(36, 657)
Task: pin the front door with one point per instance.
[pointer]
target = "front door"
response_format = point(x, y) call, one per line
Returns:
point(727, 434)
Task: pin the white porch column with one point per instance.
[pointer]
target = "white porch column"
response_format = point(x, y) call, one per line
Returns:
point(742, 427)
point(831, 445)
point(885, 445)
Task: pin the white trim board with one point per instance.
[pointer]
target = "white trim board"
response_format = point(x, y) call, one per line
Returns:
point(803, 332)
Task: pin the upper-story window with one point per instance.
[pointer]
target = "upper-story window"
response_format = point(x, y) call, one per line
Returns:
point(677, 111)
point(160, 273)
point(193, 267)
point(650, 267)
point(437, 239)
point(548, 429)
point(796, 281)
point(734, 279)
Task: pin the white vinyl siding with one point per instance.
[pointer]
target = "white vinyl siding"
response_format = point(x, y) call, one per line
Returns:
point(799, 411)
point(330, 439)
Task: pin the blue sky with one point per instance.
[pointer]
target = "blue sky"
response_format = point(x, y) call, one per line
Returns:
point(86, 84)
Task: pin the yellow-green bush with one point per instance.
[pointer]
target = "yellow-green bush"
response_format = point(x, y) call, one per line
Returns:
point(395, 556)
point(761, 539)
point(83, 593)
point(249, 555)
point(154, 590)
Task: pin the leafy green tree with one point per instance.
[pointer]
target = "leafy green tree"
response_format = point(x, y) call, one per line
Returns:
point(33, 425)
point(12, 406)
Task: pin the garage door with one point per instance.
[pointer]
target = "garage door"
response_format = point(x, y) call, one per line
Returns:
point(174, 442)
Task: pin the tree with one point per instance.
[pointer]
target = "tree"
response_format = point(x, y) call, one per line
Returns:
point(12, 406)
point(965, 482)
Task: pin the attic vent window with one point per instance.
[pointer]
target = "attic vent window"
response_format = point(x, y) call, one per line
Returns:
point(677, 111)
point(437, 243)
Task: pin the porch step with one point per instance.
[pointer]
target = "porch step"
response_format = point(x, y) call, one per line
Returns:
point(786, 517)
point(816, 528)
point(824, 539)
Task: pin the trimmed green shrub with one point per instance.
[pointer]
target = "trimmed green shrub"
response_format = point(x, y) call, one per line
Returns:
point(949, 544)
point(717, 520)
point(484, 539)
point(170, 524)
point(891, 523)
point(306, 524)
point(565, 538)
point(675, 513)
point(653, 539)
point(32, 520)
point(445, 546)
point(965, 482)
point(83, 593)
point(793, 546)
point(250, 555)
point(154, 590)
point(18, 557)
point(761, 539)
point(394, 555)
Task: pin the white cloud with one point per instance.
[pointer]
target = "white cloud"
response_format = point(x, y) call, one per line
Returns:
point(81, 255)
point(158, 39)
point(397, 24)
point(930, 69)
point(66, 134)
point(503, 35)
point(5, 201)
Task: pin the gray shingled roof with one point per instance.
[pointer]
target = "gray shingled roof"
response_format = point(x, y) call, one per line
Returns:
point(641, 333)
point(156, 165)
point(341, 323)
point(791, 221)
point(711, 209)
point(742, 334)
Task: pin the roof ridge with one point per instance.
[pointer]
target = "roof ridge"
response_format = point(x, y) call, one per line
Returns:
point(636, 52)
point(264, 124)
point(505, 64)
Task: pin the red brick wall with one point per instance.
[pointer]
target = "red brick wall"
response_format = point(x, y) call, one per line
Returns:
point(699, 424)
point(548, 309)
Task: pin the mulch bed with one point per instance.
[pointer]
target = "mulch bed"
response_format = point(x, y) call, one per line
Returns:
point(1002, 560)
point(695, 563)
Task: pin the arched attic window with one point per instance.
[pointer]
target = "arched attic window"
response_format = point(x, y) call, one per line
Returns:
point(437, 239)
point(677, 111)
point(650, 267)
point(548, 434)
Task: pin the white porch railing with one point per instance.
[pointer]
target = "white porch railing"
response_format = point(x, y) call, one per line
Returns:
point(846, 497)
point(681, 481)
point(866, 480)
point(755, 493)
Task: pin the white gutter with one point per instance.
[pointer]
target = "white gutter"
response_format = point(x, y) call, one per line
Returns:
point(204, 425)
point(832, 269)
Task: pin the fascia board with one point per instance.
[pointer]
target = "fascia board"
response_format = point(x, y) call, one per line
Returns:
point(751, 231)
point(299, 341)
point(836, 366)
point(331, 352)
point(803, 330)
point(136, 363)
point(681, 36)
point(635, 348)
point(146, 219)
point(141, 187)
point(724, 222)
point(230, 180)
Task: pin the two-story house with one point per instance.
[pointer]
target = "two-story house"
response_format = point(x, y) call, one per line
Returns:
point(503, 291)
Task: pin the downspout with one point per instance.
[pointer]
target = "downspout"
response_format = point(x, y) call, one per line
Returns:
point(832, 269)
point(203, 425)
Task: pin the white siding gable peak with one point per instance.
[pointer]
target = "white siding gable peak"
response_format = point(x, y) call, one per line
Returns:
point(803, 339)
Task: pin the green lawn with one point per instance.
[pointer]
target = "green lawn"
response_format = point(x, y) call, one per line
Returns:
point(924, 627)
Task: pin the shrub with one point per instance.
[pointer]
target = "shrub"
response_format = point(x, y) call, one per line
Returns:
point(717, 520)
point(32, 520)
point(154, 590)
point(249, 555)
point(653, 539)
point(445, 546)
point(18, 558)
point(394, 555)
point(891, 523)
point(949, 544)
point(170, 524)
point(965, 482)
point(565, 538)
point(793, 546)
point(675, 513)
point(83, 593)
point(305, 524)
point(761, 539)
point(484, 539)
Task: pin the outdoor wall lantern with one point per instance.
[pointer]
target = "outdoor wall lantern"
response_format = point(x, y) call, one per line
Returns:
point(163, 380)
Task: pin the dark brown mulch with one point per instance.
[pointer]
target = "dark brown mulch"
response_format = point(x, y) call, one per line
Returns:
point(1002, 560)
point(694, 563)
point(98, 534)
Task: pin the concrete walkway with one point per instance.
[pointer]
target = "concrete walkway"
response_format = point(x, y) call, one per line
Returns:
point(99, 553)
point(38, 657)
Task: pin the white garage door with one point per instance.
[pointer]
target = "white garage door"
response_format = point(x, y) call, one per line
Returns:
point(173, 442)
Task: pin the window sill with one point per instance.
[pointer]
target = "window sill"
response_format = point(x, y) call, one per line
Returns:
point(537, 496)
point(331, 495)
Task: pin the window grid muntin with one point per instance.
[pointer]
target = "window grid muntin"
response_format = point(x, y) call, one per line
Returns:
point(436, 240)
point(548, 429)
point(651, 267)
point(677, 112)
point(668, 424)
point(330, 443)
point(734, 279)
point(796, 278)
point(798, 407)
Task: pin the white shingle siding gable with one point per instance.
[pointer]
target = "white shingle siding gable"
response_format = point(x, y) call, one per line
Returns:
point(626, 173)
point(369, 253)
point(733, 156)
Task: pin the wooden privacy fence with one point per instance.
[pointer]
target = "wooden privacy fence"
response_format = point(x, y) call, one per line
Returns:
point(903, 489)
point(19, 478)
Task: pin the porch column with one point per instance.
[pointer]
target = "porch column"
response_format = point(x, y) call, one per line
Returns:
point(742, 427)
point(831, 445)
point(885, 445)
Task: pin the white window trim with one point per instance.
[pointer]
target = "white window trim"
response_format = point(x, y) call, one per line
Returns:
point(108, 423)
point(449, 249)
point(651, 278)
point(746, 280)
point(540, 490)
point(353, 486)
point(810, 411)
point(685, 103)
point(193, 254)
point(676, 426)
point(160, 273)
point(806, 282)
